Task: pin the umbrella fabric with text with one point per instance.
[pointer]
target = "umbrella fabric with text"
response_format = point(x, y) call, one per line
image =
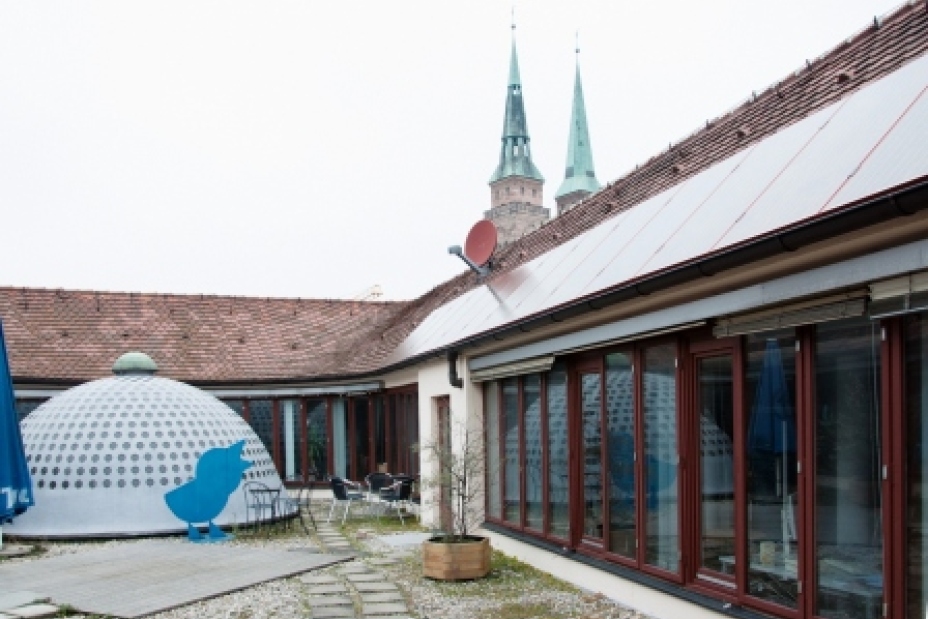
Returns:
point(15, 482)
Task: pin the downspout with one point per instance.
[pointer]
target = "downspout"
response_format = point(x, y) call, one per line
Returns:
point(453, 378)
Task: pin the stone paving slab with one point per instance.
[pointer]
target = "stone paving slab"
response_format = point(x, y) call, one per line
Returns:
point(328, 589)
point(375, 587)
point(12, 599)
point(331, 612)
point(384, 561)
point(362, 577)
point(331, 600)
point(387, 616)
point(354, 568)
point(323, 579)
point(375, 598)
point(6, 616)
point(133, 580)
point(34, 611)
point(384, 608)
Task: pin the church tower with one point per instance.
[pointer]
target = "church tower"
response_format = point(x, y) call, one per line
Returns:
point(579, 178)
point(516, 185)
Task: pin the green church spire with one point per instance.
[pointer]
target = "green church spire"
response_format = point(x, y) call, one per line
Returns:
point(579, 177)
point(515, 158)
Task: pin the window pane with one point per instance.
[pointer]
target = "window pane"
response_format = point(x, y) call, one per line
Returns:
point(620, 426)
point(340, 437)
point(25, 407)
point(412, 432)
point(592, 410)
point(659, 395)
point(716, 462)
point(773, 503)
point(394, 450)
point(916, 397)
point(291, 449)
point(316, 445)
point(380, 436)
point(531, 397)
point(494, 498)
point(849, 530)
point(362, 441)
point(512, 509)
point(260, 416)
point(558, 478)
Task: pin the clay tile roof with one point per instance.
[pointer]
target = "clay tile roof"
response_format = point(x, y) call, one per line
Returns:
point(76, 335)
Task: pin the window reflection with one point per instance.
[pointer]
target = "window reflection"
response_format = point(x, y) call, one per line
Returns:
point(558, 479)
point(620, 426)
point(316, 447)
point(916, 394)
point(659, 395)
point(512, 508)
point(773, 503)
point(494, 498)
point(531, 397)
point(591, 409)
point(848, 526)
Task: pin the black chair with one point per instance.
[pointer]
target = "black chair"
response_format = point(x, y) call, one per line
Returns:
point(374, 483)
point(340, 494)
point(396, 496)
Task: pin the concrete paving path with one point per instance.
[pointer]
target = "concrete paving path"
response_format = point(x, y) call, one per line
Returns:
point(133, 580)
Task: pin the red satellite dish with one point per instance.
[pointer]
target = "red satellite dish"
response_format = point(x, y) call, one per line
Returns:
point(481, 242)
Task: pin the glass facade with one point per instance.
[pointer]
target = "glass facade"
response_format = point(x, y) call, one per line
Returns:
point(534, 469)
point(848, 488)
point(659, 403)
point(558, 471)
point(494, 495)
point(620, 439)
point(512, 482)
point(317, 448)
point(916, 490)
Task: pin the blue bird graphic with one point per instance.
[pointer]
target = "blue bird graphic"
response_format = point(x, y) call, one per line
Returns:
point(218, 474)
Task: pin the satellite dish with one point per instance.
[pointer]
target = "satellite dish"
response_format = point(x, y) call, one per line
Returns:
point(478, 248)
point(481, 242)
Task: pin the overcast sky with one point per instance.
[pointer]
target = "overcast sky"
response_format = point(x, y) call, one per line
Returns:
point(310, 149)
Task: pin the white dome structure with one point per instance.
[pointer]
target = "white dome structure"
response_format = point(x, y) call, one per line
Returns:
point(103, 455)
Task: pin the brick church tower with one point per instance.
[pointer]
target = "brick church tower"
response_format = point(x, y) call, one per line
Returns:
point(516, 185)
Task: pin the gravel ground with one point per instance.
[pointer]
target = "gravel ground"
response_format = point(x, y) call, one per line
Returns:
point(512, 591)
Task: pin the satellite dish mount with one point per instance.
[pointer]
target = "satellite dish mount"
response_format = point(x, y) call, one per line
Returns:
point(478, 248)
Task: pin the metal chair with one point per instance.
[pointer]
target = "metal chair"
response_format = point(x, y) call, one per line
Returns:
point(290, 505)
point(374, 482)
point(341, 495)
point(397, 496)
point(260, 501)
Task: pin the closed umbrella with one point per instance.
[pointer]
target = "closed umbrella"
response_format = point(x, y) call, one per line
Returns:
point(15, 482)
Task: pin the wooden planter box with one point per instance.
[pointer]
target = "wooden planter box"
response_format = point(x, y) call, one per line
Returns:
point(461, 561)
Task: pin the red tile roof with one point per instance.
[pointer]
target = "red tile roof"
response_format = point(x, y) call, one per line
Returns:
point(77, 335)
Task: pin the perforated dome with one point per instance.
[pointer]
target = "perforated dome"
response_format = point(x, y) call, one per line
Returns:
point(104, 454)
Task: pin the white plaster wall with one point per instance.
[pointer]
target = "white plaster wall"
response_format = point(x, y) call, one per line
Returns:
point(401, 378)
point(643, 599)
point(466, 405)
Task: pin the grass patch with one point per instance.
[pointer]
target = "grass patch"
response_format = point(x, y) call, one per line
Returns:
point(519, 610)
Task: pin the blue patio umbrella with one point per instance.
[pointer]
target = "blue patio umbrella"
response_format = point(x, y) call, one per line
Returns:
point(15, 482)
point(772, 427)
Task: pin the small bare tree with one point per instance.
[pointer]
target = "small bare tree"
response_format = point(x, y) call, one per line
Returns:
point(459, 465)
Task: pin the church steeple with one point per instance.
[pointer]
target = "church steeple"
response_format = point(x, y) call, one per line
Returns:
point(515, 157)
point(579, 177)
point(516, 184)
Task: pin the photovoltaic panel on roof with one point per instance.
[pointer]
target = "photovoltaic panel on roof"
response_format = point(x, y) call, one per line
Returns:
point(870, 142)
